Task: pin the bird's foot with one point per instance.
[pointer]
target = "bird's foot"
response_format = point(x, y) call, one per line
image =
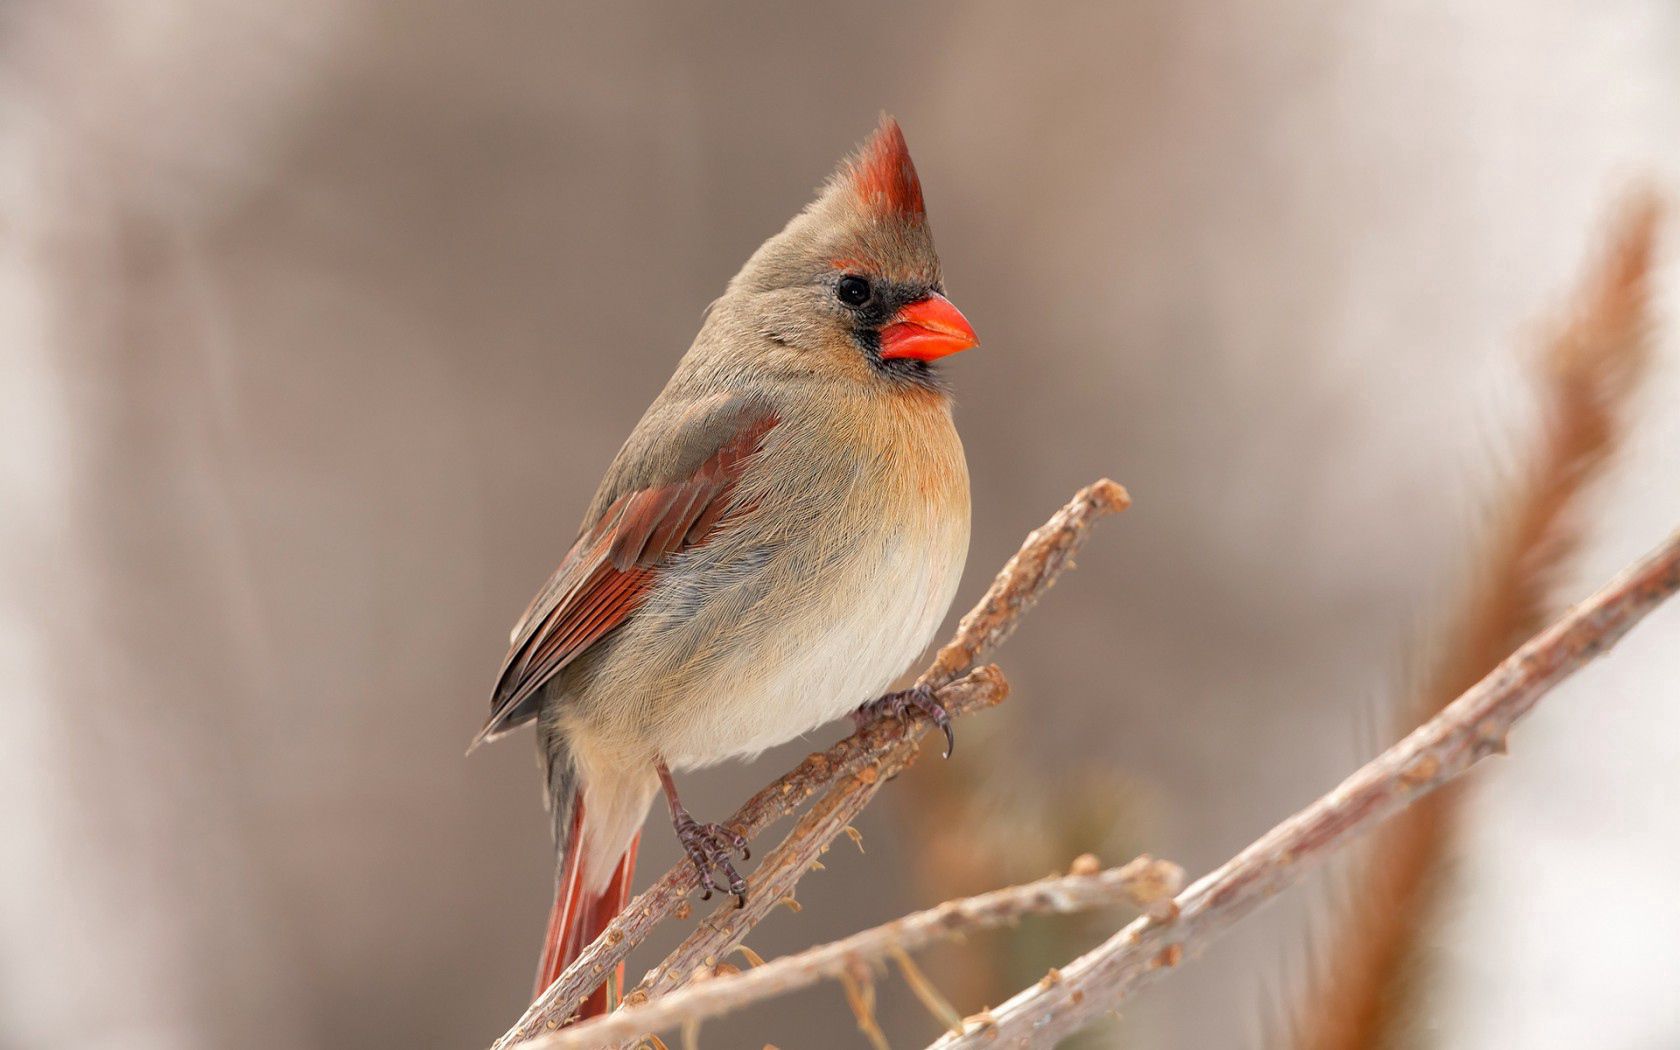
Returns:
point(899, 705)
point(712, 847)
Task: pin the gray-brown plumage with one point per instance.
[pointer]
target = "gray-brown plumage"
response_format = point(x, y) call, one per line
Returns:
point(779, 537)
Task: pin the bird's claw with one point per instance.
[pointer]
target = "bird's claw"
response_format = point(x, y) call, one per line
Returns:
point(711, 847)
point(899, 705)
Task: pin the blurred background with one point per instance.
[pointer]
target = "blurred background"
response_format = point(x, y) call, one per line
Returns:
point(320, 321)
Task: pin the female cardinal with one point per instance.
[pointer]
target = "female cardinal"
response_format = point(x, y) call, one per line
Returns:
point(780, 536)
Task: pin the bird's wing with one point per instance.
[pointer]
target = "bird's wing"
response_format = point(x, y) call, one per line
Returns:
point(609, 570)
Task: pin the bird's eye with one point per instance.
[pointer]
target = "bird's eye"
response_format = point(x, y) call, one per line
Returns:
point(853, 290)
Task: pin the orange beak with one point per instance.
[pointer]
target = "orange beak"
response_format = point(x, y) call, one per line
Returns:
point(927, 329)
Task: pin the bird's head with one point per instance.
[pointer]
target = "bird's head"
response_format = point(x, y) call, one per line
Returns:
point(853, 281)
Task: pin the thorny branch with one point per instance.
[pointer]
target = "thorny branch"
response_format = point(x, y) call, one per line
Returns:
point(1141, 884)
point(849, 774)
point(1466, 731)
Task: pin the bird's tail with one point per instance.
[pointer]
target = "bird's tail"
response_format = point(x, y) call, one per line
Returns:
point(580, 915)
point(591, 844)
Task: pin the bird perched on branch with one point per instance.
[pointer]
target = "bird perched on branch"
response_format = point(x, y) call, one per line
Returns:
point(780, 536)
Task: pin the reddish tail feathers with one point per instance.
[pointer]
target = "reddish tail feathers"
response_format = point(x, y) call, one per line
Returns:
point(579, 917)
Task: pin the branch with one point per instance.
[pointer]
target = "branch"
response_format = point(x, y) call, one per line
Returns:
point(1466, 731)
point(878, 749)
point(1142, 883)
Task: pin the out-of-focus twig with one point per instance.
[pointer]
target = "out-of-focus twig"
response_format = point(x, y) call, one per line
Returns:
point(848, 774)
point(1469, 729)
point(1588, 370)
point(1143, 883)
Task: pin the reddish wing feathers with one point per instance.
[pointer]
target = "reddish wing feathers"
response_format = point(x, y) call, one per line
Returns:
point(883, 176)
point(661, 521)
point(608, 572)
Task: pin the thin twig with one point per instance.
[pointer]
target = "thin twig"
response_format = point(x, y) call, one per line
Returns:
point(1026, 576)
point(932, 1000)
point(1468, 730)
point(860, 996)
point(1142, 883)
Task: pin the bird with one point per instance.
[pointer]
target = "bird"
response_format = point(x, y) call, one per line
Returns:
point(780, 536)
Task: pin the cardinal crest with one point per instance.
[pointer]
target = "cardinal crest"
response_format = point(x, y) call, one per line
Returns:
point(882, 175)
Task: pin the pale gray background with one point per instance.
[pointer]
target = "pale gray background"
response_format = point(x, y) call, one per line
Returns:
point(320, 321)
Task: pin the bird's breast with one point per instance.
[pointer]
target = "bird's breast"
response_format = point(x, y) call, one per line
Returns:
point(818, 600)
point(843, 645)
